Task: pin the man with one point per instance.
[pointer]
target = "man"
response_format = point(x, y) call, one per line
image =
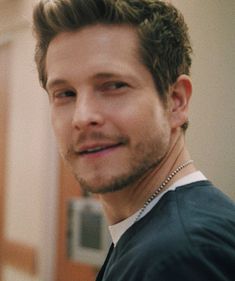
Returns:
point(117, 76)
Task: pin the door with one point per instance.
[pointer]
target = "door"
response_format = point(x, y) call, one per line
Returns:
point(67, 270)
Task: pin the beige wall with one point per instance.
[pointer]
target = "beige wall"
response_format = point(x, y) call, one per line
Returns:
point(32, 160)
point(31, 157)
point(212, 129)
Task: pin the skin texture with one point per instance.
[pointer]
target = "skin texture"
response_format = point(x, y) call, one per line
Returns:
point(113, 130)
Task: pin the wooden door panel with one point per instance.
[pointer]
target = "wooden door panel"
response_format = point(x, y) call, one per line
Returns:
point(67, 270)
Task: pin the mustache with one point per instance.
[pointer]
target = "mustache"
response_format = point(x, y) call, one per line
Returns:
point(94, 136)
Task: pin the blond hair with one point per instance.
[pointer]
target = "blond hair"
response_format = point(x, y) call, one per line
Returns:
point(163, 35)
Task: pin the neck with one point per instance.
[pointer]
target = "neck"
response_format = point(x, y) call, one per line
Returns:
point(122, 204)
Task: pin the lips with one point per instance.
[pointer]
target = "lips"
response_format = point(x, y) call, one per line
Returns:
point(97, 148)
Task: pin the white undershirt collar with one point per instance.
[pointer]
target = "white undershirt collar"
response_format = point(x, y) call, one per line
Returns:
point(117, 230)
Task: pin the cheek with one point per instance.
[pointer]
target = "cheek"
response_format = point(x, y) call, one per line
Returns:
point(157, 124)
point(137, 123)
point(61, 125)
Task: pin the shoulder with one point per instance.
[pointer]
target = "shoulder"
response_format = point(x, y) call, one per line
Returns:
point(191, 214)
point(190, 231)
point(193, 233)
point(206, 214)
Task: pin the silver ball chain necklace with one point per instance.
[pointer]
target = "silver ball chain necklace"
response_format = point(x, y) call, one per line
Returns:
point(160, 188)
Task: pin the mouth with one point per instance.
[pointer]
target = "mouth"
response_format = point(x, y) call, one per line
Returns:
point(98, 149)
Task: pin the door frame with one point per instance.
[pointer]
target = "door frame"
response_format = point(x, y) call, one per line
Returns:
point(4, 98)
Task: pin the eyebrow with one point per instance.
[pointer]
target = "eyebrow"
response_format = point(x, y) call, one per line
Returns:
point(105, 75)
point(54, 82)
point(102, 75)
point(114, 75)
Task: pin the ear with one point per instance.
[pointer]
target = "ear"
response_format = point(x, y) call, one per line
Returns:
point(180, 94)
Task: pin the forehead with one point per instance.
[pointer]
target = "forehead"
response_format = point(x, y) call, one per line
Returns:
point(100, 34)
point(94, 46)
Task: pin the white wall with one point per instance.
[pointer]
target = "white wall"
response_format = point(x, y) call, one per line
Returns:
point(31, 166)
point(212, 122)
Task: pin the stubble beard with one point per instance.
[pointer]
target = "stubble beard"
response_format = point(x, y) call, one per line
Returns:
point(148, 155)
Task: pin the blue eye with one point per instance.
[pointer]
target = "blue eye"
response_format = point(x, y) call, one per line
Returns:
point(63, 97)
point(118, 85)
point(64, 94)
point(67, 94)
point(114, 85)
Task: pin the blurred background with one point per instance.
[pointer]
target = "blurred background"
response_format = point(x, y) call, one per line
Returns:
point(35, 187)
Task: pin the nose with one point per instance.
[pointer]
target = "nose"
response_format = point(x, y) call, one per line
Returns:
point(87, 113)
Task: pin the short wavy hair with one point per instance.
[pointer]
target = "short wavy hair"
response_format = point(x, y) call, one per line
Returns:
point(164, 42)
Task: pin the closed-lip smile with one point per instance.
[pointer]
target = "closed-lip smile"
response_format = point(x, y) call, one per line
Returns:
point(96, 148)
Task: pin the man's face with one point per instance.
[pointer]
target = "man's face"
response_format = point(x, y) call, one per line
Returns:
point(106, 113)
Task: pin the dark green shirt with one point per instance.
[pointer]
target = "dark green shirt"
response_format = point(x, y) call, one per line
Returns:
point(188, 236)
